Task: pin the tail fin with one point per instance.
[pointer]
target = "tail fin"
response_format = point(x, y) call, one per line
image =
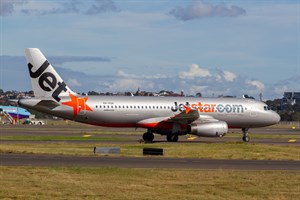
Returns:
point(44, 79)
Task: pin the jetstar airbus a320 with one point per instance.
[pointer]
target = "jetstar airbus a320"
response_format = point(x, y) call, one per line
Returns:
point(170, 116)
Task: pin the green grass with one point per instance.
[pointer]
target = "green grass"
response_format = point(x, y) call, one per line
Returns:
point(122, 183)
point(60, 138)
point(230, 150)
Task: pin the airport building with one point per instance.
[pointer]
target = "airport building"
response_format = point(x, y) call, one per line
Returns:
point(290, 98)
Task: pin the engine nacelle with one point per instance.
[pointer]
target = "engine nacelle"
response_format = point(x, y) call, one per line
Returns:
point(208, 129)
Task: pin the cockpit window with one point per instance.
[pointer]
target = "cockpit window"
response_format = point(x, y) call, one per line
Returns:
point(266, 108)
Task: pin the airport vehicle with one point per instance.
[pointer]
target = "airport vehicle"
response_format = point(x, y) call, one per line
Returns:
point(34, 122)
point(170, 116)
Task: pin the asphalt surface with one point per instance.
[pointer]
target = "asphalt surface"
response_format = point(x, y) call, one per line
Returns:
point(143, 162)
point(130, 135)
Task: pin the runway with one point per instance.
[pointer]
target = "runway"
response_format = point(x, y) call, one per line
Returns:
point(143, 162)
point(21, 134)
point(130, 135)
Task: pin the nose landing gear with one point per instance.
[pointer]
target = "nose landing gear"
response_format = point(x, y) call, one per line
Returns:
point(246, 137)
point(148, 136)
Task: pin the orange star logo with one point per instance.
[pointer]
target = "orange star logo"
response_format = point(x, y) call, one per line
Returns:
point(187, 109)
point(77, 103)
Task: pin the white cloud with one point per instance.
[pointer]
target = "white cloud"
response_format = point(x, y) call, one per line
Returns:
point(123, 74)
point(259, 85)
point(199, 9)
point(195, 71)
point(7, 7)
point(101, 7)
point(127, 84)
point(73, 82)
point(91, 7)
point(212, 84)
point(195, 89)
point(229, 76)
point(279, 90)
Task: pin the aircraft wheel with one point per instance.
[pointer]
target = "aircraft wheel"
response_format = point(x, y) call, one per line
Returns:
point(175, 138)
point(246, 139)
point(172, 138)
point(148, 137)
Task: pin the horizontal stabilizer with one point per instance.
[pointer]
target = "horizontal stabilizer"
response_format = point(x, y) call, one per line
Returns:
point(48, 103)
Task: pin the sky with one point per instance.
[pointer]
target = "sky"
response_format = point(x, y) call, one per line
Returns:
point(231, 47)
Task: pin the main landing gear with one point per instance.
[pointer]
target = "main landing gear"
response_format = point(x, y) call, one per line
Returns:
point(246, 137)
point(148, 137)
point(172, 138)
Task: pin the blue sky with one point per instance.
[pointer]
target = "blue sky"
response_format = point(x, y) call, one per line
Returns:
point(212, 47)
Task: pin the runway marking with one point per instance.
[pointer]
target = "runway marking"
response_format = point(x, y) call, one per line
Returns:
point(191, 137)
point(86, 135)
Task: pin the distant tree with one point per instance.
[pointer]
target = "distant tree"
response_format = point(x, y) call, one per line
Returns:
point(1, 91)
point(296, 116)
point(199, 94)
point(296, 107)
point(30, 92)
point(274, 104)
point(93, 93)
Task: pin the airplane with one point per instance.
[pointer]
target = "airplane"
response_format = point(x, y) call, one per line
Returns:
point(15, 112)
point(170, 116)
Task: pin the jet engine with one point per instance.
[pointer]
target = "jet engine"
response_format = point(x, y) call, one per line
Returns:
point(208, 129)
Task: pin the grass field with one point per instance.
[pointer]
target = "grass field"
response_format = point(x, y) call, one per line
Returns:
point(122, 183)
point(230, 150)
point(118, 183)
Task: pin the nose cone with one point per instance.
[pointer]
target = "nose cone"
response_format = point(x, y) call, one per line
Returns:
point(274, 118)
point(270, 118)
point(277, 118)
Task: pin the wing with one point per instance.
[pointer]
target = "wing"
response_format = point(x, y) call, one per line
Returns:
point(185, 117)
